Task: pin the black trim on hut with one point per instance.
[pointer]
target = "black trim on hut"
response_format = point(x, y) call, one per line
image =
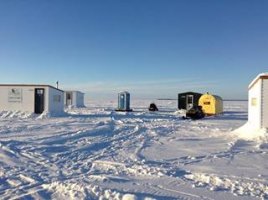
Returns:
point(186, 99)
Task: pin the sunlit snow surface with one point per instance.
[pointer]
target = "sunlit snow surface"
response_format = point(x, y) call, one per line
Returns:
point(96, 153)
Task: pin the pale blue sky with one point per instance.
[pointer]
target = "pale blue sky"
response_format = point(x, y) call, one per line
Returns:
point(152, 48)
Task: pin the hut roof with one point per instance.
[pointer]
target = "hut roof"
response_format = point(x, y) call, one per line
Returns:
point(30, 85)
point(190, 92)
point(211, 95)
point(260, 76)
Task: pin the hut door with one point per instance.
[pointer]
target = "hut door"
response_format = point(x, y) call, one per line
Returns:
point(69, 98)
point(189, 101)
point(39, 100)
point(122, 102)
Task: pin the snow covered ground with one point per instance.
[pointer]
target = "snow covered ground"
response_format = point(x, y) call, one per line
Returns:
point(96, 153)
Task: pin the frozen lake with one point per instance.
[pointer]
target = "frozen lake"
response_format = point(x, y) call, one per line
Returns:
point(96, 153)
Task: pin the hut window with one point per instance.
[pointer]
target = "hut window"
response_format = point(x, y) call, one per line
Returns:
point(15, 95)
point(56, 98)
point(39, 91)
point(253, 101)
point(190, 99)
point(207, 103)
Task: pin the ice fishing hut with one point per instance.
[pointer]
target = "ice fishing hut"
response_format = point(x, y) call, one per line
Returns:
point(211, 104)
point(257, 124)
point(188, 100)
point(74, 99)
point(123, 101)
point(258, 102)
point(31, 98)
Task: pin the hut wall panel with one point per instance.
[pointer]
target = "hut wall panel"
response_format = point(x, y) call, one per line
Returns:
point(264, 110)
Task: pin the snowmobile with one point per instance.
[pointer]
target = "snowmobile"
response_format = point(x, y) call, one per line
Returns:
point(153, 107)
point(195, 113)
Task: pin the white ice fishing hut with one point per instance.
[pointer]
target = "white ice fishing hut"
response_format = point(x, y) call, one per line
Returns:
point(74, 98)
point(31, 98)
point(258, 102)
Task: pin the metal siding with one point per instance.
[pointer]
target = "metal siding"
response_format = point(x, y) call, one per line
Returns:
point(74, 99)
point(219, 105)
point(80, 99)
point(27, 99)
point(54, 107)
point(264, 110)
point(254, 111)
point(182, 101)
point(127, 101)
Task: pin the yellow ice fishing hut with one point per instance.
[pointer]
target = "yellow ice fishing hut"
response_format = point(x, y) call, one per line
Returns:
point(211, 104)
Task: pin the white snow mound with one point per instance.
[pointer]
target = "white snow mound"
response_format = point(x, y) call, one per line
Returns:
point(248, 132)
point(129, 197)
